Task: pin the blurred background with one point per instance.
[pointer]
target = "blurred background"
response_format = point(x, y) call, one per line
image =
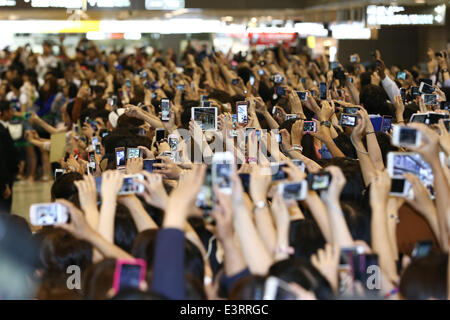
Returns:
point(401, 30)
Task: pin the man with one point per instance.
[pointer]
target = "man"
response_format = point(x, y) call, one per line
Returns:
point(8, 157)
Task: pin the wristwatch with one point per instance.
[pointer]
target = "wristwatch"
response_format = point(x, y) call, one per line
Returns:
point(326, 124)
point(261, 204)
point(296, 147)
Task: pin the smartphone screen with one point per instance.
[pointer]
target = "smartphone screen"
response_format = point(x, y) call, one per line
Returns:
point(205, 198)
point(319, 181)
point(277, 172)
point(165, 109)
point(120, 157)
point(309, 126)
point(387, 123)
point(130, 275)
point(422, 249)
point(303, 95)
point(322, 91)
point(430, 99)
point(348, 120)
point(133, 153)
point(401, 75)
point(206, 117)
point(242, 112)
point(415, 92)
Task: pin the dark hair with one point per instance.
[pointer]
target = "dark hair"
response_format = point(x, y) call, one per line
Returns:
point(374, 98)
point(248, 288)
point(64, 187)
point(126, 121)
point(98, 280)
point(305, 236)
point(304, 274)
point(425, 278)
point(124, 228)
point(58, 249)
point(4, 106)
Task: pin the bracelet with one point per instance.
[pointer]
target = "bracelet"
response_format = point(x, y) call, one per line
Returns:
point(391, 293)
point(251, 159)
point(296, 147)
point(360, 151)
point(367, 133)
point(401, 121)
point(285, 250)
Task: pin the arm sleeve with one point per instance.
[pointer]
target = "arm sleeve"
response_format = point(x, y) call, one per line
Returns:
point(168, 265)
point(228, 282)
point(391, 88)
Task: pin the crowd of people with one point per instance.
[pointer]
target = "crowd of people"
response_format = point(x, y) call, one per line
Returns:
point(193, 222)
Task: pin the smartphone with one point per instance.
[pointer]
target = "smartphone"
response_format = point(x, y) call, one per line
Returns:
point(260, 72)
point(160, 134)
point(203, 98)
point(399, 163)
point(406, 137)
point(181, 87)
point(128, 83)
point(165, 109)
point(112, 101)
point(48, 214)
point(205, 198)
point(430, 99)
point(293, 190)
point(222, 169)
point(235, 81)
point(252, 80)
point(120, 157)
point(277, 289)
point(242, 112)
point(419, 118)
point(434, 117)
point(348, 120)
point(173, 142)
point(278, 172)
point(377, 122)
point(400, 187)
point(206, 104)
point(426, 88)
point(129, 274)
point(421, 249)
point(92, 162)
point(206, 117)
point(291, 116)
point(277, 79)
point(59, 173)
point(415, 91)
point(134, 153)
point(90, 168)
point(403, 93)
point(148, 164)
point(350, 110)
point(334, 65)
point(76, 128)
point(319, 181)
point(303, 95)
point(299, 163)
point(322, 91)
point(309, 126)
point(386, 123)
point(401, 75)
point(130, 185)
point(353, 58)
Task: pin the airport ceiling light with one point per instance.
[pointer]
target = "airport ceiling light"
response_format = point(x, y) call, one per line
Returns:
point(354, 30)
point(164, 4)
point(311, 29)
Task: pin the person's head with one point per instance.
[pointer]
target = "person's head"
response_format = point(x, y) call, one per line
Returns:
point(47, 48)
point(425, 278)
point(374, 100)
point(64, 187)
point(6, 112)
point(97, 281)
point(15, 84)
point(303, 273)
point(248, 288)
point(58, 249)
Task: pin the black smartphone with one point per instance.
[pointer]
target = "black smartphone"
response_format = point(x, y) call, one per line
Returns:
point(319, 181)
point(160, 134)
point(323, 91)
point(148, 164)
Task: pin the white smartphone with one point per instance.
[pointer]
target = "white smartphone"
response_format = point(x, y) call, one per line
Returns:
point(429, 99)
point(291, 116)
point(48, 214)
point(294, 190)
point(399, 163)
point(130, 185)
point(120, 157)
point(277, 289)
point(206, 117)
point(165, 109)
point(173, 142)
point(222, 169)
point(400, 187)
point(59, 172)
point(406, 137)
point(241, 109)
point(426, 88)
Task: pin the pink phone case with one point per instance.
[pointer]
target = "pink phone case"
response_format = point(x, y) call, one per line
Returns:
point(118, 271)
